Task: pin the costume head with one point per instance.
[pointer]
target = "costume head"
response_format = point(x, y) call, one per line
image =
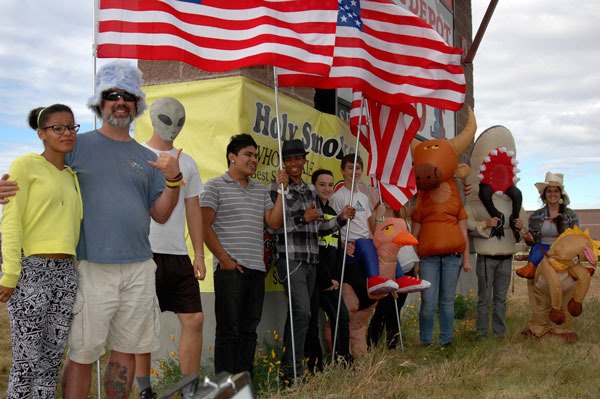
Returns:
point(555, 296)
point(293, 148)
point(494, 156)
point(436, 161)
point(167, 116)
point(553, 180)
point(390, 235)
point(118, 75)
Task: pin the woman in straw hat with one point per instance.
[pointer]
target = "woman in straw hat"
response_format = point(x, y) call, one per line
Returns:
point(548, 222)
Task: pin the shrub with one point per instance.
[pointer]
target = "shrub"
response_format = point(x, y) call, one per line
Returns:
point(465, 306)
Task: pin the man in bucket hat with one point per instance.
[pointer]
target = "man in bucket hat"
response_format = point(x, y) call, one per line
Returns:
point(122, 185)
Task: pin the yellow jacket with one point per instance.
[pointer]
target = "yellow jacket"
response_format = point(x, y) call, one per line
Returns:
point(43, 217)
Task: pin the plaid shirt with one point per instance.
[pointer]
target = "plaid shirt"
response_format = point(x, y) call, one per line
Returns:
point(537, 218)
point(303, 238)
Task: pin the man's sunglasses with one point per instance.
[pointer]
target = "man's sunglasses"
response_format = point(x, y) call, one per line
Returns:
point(115, 95)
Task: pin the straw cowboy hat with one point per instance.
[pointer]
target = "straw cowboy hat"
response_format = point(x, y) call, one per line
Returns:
point(555, 180)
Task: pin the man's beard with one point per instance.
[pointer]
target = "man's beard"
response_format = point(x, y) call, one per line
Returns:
point(118, 121)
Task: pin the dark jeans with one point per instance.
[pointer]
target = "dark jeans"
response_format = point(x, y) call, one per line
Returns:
point(385, 318)
point(302, 281)
point(238, 308)
point(493, 280)
point(327, 300)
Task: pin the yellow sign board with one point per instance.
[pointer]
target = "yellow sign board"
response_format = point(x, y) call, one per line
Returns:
point(217, 109)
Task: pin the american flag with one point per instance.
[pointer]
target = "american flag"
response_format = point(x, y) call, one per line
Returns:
point(388, 141)
point(389, 54)
point(220, 35)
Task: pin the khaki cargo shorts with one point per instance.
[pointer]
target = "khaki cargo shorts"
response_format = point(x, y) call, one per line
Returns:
point(117, 307)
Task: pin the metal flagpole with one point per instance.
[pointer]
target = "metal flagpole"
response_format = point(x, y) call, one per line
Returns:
point(337, 314)
point(94, 57)
point(393, 294)
point(95, 53)
point(285, 236)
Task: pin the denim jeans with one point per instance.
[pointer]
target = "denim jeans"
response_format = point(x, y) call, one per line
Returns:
point(536, 254)
point(493, 279)
point(442, 271)
point(238, 308)
point(326, 300)
point(385, 319)
point(302, 281)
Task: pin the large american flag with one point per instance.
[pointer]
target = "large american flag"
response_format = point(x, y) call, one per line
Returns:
point(389, 54)
point(220, 35)
point(387, 138)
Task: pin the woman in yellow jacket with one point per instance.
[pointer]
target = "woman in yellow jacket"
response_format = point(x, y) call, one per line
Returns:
point(40, 230)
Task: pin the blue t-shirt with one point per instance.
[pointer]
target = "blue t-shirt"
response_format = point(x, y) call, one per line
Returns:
point(118, 188)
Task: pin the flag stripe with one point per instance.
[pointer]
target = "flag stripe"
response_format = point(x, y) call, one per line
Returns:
point(221, 35)
point(395, 196)
point(391, 131)
point(156, 52)
point(133, 33)
point(217, 24)
point(412, 62)
point(399, 121)
point(389, 54)
point(377, 88)
point(223, 53)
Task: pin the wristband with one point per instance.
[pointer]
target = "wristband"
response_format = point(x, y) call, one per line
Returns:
point(177, 178)
point(200, 255)
point(174, 184)
point(284, 192)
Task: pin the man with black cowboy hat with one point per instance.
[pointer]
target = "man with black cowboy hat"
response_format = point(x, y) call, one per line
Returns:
point(304, 224)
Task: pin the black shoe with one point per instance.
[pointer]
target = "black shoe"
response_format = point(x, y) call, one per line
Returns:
point(147, 393)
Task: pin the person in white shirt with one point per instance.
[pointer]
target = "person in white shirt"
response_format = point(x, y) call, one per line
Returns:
point(176, 275)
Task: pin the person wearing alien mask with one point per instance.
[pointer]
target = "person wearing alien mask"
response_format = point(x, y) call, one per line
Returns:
point(176, 276)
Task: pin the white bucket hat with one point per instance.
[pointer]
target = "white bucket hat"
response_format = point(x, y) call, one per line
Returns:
point(122, 75)
point(554, 180)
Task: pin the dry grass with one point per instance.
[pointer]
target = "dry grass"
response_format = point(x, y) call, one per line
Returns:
point(514, 367)
point(5, 350)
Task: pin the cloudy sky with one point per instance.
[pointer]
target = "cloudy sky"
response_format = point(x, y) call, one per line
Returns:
point(537, 72)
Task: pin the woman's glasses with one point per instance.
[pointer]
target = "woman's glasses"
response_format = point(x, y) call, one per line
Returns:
point(60, 129)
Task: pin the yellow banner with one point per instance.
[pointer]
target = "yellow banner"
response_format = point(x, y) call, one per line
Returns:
point(217, 109)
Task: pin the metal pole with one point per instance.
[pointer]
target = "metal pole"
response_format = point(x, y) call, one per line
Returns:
point(480, 32)
point(395, 298)
point(337, 314)
point(393, 294)
point(94, 58)
point(285, 236)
